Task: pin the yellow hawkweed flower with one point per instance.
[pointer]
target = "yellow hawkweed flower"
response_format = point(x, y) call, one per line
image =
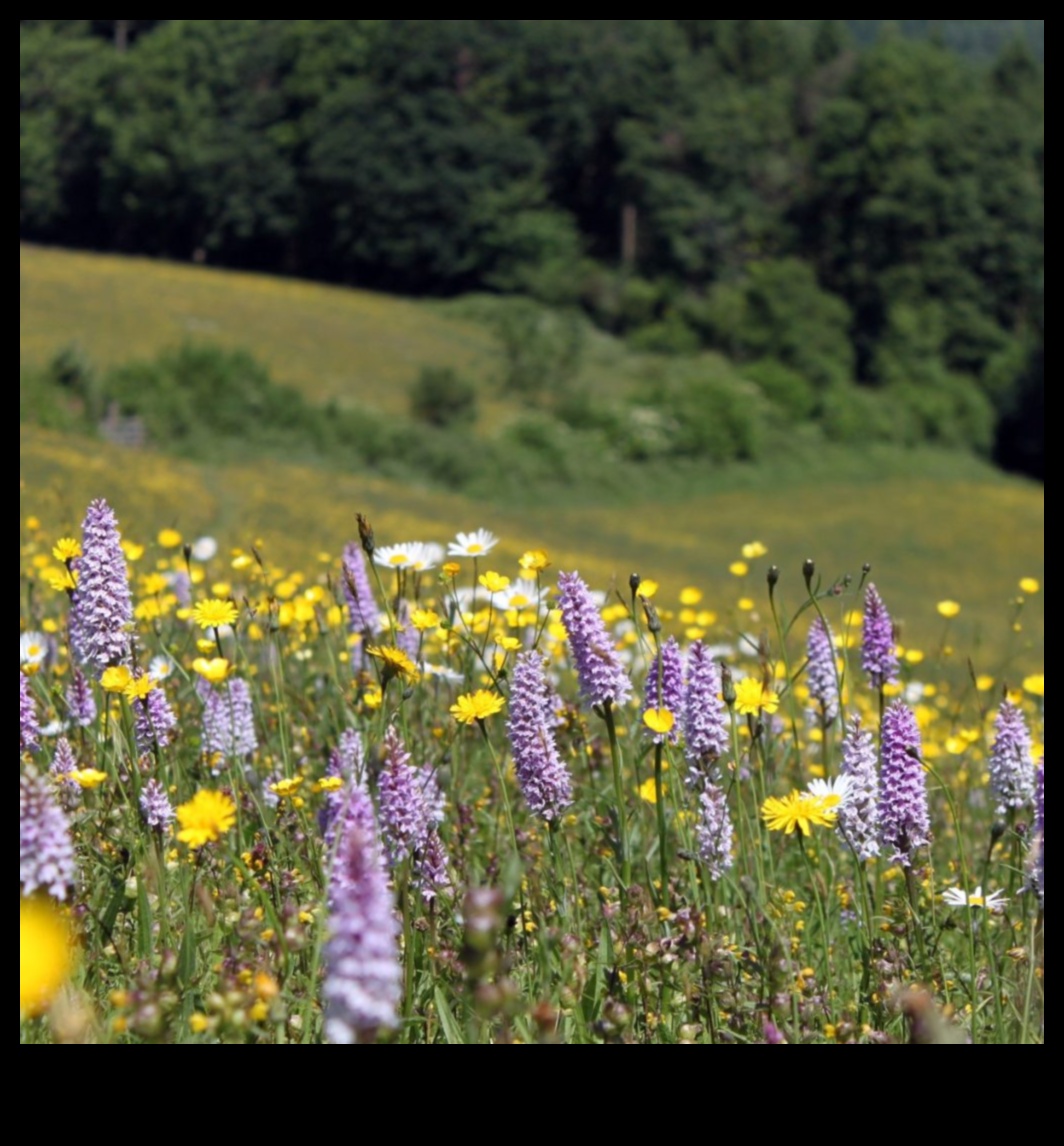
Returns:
point(534, 561)
point(205, 819)
point(647, 590)
point(494, 582)
point(170, 539)
point(62, 580)
point(67, 549)
point(88, 778)
point(648, 791)
point(116, 680)
point(45, 955)
point(948, 609)
point(751, 697)
point(659, 720)
point(424, 619)
point(214, 671)
point(477, 706)
point(754, 550)
point(738, 569)
point(1030, 586)
point(394, 663)
point(799, 811)
point(690, 597)
point(139, 689)
point(215, 614)
point(1035, 685)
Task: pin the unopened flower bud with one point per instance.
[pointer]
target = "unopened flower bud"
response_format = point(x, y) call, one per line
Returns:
point(365, 534)
point(809, 572)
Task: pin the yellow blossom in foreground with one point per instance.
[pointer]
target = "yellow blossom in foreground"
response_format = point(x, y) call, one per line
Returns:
point(659, 720)
point(494, 582)
point(45, 956)
point(205, 819)
point(948, 609)
point(116, 679)
point(170, 539)
point(1030, 586)
point(754, 550)
point(215, 671)
point(394, 663)
point(62, 580)
point(215, 614)
point(88, 778)
point(1035, 685)
point(477, 706)
point(535, 561)
point(751, 697)
point(799, 811)
point(199, 1024)
point(67, 549)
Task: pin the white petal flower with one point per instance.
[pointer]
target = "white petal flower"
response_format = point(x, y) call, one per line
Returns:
point(409, 555)
point(160, 668)
point(478, 544)
point(205, 549)
point(32, 649)
point(521, 595)
point(995, 902)
point(837, 789)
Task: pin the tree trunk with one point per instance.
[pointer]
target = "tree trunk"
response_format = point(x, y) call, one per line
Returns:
point(122, 34)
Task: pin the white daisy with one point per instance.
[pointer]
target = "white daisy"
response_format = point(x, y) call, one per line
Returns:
point(995, 902)
point(478, 544)
point(409, 555)
point(441, 672)
point(160, 668)
point(205, 549)
point(32, 649)
point(56, 728)
point(521, 595)
point(835, 791)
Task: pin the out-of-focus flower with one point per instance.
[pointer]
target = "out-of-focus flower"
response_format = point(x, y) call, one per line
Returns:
point(32, 650)
point(1011, 764)
point(45, 850)
point(545, 781)
point(705, 734)
point(29, 724)
point(716, 835)
point(155, 807)
point(859, 813)
point(205, 819)
point(995, 902)
point(904, 817)
point(879, 656)
point(45, 956)
point(664, 694)
point(204, 549)
point(101, 615)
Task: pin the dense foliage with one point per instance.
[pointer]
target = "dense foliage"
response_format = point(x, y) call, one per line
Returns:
point(825, 215)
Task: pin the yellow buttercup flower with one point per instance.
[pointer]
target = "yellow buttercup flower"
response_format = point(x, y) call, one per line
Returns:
point(494, 582)
point(45, 956)
point(67, 549)
point(754, 550)
point(205, 819)
point(751, 697)
point(798, 812)
point(215, 671)
point(1030, 586)
point(648, 791)
point(535, 561)
point(116, 679)
point(1035, 685)
point(139, 689)
point(286, 789)
point(215, 614)
point(660, 721)
point(424, 619)
point(329, 784)
point(948, 609)
point(647, 590)
point(88, 778)
point(690, 597)
point(63, 580)
point(451, 569)
point(477, 706)
point(170, 539)
point(739, 569)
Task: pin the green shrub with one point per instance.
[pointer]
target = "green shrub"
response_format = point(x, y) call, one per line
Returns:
point(440, 397)
point(786, 388)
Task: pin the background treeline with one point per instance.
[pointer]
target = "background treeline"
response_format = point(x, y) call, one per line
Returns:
point(837, 220)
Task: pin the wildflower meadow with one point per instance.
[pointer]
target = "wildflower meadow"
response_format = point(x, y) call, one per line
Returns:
point(416, 793)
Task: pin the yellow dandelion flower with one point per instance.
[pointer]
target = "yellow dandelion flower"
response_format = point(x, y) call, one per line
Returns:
point(798, 812)
point(477, 706)
point(690, 597)
point(739, 569)
point(660, 721)
point(754, 550)
point(747, 604)
point(1030, 586)
point(535, 561)
point(494, 582)
point(215, 614)
point(214, 671)
point(62, 580)
point(67, 549)
point(394, 663)
point(751, 697)
point(1035, 685)
point(116, 680)
point(45, 955)
point(133, 551)
point(648, 590)
point(984, 683)
point(205, 819)
point(169, 539)
point(948, 609)
point(373, 699)
point(88, 778)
